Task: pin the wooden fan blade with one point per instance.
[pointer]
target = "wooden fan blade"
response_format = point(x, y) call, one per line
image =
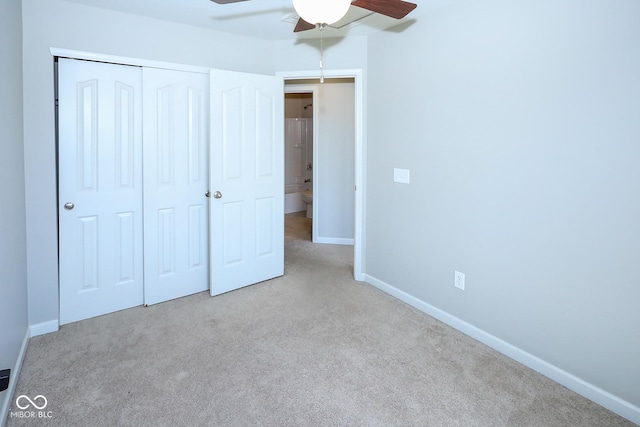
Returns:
point(394, 8)
point(303, 25)
point(227, 1)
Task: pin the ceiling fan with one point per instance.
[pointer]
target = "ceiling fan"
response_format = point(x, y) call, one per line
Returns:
point(397, 9)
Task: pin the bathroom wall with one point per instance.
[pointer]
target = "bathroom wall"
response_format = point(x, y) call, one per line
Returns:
point(294, 104)
point(335, 161)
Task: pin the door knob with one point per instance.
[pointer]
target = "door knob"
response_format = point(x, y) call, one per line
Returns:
point(68, 206)
point(207, 194)
point(217, 195)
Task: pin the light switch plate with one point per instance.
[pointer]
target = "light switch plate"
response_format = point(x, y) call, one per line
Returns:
point(401, 175)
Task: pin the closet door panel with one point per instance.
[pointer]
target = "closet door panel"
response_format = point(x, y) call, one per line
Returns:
point(175, 182)
point(247, 172)
point(100, 188)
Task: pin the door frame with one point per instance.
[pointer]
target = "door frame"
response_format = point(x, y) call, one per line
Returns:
point(125, 60)
point(360, 156)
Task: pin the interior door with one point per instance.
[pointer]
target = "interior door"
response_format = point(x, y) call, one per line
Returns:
point(100, 182)
point(246, 179)
point(176, 136)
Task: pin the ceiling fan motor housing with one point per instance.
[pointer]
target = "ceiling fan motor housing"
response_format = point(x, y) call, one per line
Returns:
point(321, 12)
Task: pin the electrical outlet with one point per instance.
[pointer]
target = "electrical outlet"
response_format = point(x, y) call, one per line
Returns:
point(458, 280)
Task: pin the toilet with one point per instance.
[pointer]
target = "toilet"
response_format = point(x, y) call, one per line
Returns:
point(307, 197)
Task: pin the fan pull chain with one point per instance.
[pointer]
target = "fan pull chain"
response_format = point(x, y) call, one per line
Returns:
point(321, 27)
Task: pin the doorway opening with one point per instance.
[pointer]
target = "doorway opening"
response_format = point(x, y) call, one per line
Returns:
point(298, 163)
point(298, 174)
point(337, 155)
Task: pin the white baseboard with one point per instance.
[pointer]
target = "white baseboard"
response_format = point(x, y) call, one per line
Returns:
point(334, 241)
point(15, 373)
point(590, 391)
point(43, 328)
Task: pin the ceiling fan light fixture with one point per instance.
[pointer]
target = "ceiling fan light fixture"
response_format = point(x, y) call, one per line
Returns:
point(321, 12)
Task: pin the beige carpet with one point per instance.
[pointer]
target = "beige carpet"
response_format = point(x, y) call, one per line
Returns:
point(312, 348)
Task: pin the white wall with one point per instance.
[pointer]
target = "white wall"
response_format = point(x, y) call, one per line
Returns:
point(55, 23)
point(339, 54)
point(519, 122)
point(334, 162)
point(13, 264)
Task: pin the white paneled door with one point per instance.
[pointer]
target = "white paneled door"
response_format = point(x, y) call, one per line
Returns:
point(134, 166)
point(100, 183)
point(176, 176)
point(247, 179)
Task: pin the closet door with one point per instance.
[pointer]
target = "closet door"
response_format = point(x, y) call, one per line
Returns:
point(100, 187)
point(176, 178)
point(247, 179)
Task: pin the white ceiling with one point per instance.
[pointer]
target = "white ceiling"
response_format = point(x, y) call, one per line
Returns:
point(268, 19)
